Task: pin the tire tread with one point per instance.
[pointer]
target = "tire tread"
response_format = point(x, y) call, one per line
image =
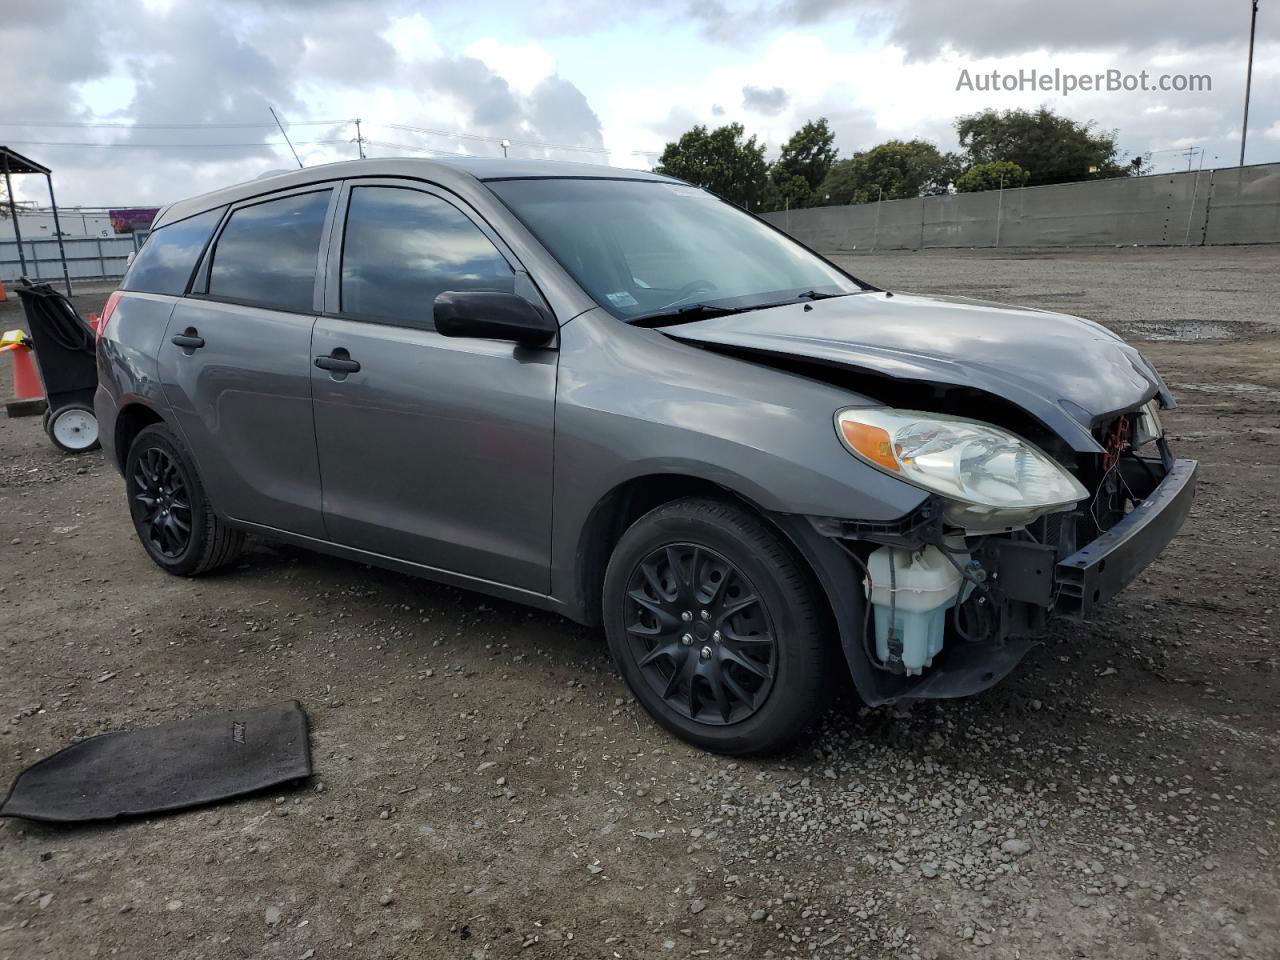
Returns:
point(222, 543)
point(807, 693)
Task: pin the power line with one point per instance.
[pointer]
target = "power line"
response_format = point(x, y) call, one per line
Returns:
point(498, 140)
point(149, 146)
point(409, 146)
point(452, 134)
point(166, 126)
point(359, 139)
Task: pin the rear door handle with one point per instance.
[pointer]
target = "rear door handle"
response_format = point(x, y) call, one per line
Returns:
point(189, 340)
point(338, 364)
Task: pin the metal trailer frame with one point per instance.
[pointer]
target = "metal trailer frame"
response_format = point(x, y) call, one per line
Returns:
point(12, 162)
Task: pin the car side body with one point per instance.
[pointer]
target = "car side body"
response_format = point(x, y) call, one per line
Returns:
point(515, 470)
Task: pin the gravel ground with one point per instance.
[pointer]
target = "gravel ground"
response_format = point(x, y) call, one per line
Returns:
point(485, 787)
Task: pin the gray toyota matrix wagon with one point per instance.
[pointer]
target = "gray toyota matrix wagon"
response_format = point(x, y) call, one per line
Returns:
point(610, 394)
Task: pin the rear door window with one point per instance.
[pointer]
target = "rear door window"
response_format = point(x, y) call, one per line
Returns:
point(402, 247)
point(267, 253)
point(167, 259)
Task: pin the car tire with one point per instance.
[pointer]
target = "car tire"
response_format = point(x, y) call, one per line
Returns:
point(73, 428)
point(171, 514)
point(719, 669)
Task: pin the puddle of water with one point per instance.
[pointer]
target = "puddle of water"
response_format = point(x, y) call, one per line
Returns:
point(1179, 330)
point(1250, 390)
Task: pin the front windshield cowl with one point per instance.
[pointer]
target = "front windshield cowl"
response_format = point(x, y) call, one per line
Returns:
point(645, 249)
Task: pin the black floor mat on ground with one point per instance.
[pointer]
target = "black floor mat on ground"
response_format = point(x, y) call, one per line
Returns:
point(208, 758)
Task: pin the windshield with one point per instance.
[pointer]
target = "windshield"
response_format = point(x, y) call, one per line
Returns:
point(646, 247)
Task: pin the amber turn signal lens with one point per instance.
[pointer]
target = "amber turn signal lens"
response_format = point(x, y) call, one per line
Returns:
point(873, 443)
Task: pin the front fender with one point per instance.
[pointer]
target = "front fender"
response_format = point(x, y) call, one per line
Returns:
point(632, 402)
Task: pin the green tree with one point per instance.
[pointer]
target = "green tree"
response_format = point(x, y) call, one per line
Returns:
point(787, 191)
point(1052, 149)
point(991, 176)
point(809, 154)
point(802, 165)
point(723, 161)
point(899, 168)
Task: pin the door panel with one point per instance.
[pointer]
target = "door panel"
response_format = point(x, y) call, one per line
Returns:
point(437, 450)
point(236, 360)
point(243, 402)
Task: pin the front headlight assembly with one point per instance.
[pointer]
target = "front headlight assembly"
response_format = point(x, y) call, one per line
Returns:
point(991, 479)
point(1147, 426)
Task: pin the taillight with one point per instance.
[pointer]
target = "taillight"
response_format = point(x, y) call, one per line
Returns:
point(109, 309)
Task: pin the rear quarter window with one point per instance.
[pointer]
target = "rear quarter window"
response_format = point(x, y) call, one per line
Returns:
point(167, 259)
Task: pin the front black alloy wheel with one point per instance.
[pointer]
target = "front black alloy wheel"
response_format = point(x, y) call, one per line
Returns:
point(718, 626)
point(700, 633)
point(170, 512)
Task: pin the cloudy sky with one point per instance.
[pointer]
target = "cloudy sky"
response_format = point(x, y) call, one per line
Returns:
point(613, 80)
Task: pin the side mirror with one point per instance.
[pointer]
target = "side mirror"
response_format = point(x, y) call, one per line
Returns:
point(492, 316)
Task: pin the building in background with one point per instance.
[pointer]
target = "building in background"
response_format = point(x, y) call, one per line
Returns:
point(36, 222)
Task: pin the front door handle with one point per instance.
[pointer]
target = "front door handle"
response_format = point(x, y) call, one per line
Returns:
point(338, 364)
point(189, 339)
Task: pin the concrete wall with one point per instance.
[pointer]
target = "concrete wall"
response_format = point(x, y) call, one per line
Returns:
point(1232, 205)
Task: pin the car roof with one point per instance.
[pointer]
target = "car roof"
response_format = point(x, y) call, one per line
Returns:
point(448, 172)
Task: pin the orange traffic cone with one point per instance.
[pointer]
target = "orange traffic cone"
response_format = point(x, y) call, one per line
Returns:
point(28, 392)
point(3, 296)
point(26, 378)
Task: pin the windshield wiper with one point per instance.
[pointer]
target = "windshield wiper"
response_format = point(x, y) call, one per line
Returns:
point(688, 312)
point(684, 313)
point(817, 295)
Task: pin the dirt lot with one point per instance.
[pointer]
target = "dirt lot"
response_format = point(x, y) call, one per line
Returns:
point(485, 786)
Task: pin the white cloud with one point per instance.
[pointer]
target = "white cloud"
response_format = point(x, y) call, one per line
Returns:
point(865, 65)
point(523, 66)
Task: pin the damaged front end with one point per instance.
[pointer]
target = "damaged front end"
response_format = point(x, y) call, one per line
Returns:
point(1080, 490)
point(955, 595)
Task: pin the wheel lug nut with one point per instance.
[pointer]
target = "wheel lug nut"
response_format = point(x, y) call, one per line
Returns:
point(716, 636)
point(686, 616)
point(706, 653)
point(687, 639)
point(706, 615)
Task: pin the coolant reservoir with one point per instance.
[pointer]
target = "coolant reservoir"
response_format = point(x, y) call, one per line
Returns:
point(927, 586)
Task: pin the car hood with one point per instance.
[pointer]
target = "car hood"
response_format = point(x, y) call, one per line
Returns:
point(1065, 371)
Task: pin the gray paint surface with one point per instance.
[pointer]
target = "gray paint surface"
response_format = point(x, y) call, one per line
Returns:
point(1064, 371)
point(438, 450)
point(1224, 206)
point(242, 403)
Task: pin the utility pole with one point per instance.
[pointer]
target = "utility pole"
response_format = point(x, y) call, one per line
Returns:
point(505, 145)
point(1248, 77)
point(359, 139)
point(875, 233)
point(999, 209)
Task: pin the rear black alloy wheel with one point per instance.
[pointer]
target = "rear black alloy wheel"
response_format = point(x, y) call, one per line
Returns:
point(718, 626)
point(161, 491)
point(170, 512)
point(700, 633)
